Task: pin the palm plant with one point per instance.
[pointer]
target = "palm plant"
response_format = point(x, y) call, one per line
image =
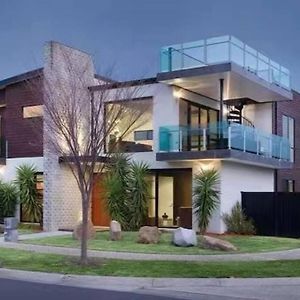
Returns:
point(206, 196)
point(138, 194)
point(8, 199)
point(26, 183)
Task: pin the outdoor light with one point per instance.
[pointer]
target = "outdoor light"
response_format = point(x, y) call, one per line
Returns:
point(177, 94)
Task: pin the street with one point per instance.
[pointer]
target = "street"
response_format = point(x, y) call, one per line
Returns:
point(15, 290)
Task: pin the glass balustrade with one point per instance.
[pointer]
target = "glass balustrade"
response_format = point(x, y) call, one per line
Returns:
point(221, 50)
point(223, 136)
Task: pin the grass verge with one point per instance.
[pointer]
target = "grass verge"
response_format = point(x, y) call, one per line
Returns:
point(245, 244)
point(24, 260)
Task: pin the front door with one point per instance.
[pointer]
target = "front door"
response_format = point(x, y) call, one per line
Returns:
point(100, 216)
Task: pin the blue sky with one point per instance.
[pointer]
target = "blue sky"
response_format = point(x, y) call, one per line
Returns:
point(127, 34)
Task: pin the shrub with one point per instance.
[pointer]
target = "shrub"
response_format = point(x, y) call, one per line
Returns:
point(138, 194)
point(26, 183)
point(127, 191)
point(8, 199)
point(116, 183)
point(206, 196)
point(237, 221)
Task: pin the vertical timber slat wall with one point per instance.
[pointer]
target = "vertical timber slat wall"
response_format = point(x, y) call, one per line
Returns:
point(274, 214)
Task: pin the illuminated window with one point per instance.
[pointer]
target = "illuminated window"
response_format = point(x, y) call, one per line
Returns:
point(33, 111)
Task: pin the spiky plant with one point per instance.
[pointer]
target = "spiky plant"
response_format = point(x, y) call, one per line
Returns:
point(206, 196)
point(8, 199)
point(26, 183)
point(138, 194)
point(116, 185)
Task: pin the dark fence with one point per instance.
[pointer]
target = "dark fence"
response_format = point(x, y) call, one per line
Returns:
point(274, 214)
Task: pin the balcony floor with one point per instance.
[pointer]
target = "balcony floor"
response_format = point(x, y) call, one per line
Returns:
point(226, 154)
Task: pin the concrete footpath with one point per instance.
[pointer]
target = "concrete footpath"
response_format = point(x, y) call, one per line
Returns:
point(262, 256)
point(265, 288)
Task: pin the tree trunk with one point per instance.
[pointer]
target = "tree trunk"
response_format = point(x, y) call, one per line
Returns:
point(84, 237)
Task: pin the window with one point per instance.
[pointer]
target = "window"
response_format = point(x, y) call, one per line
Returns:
point(288, 131)
point(289, 185)
point(143, 135)
point(33, 111)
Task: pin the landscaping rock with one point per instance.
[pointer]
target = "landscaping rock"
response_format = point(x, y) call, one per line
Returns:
point(148, 235)
point(115, 231)
point(209, 242)
point(183, 237)
point(78, 231)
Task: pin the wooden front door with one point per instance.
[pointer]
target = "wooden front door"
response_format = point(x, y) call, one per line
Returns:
point(100, 216)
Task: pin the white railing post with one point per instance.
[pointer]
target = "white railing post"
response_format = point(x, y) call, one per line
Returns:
point(244, 140)
point(270, 147)
point(280, 150)
point(180, 140)
point(204, 139)
point(229, 137)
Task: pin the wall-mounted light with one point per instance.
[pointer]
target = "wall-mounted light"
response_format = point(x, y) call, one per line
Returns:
point(177, 93)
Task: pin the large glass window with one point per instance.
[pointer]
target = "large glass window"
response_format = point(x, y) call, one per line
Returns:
point(130, 125)
point(288, 131)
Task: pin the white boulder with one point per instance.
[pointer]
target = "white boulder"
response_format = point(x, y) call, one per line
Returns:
point(183, 237)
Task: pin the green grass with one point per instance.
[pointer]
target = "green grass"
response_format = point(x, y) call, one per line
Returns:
point(24, 260)
point(245, 244)
point(27, 228)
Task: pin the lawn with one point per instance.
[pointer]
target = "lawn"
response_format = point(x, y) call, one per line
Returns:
point(24, 260)
point(245, 244)
point(27, 228)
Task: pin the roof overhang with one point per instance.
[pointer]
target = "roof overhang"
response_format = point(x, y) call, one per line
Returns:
point(225, 154)
point(72, 159)
point(238, 83)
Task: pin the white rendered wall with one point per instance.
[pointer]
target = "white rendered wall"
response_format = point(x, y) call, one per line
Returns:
point(260, 115)
point(8, 171)
point(237, 178)
point(234, 179)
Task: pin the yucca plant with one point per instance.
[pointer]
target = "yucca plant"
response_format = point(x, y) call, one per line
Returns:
point(116, 185)
point(8, 199)
point(138, 194)
point(26, 183)
point(206, 196)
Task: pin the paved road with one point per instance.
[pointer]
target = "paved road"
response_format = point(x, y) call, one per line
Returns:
point(16, 290)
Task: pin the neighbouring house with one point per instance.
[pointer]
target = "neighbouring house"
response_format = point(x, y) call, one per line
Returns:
point(215, 103)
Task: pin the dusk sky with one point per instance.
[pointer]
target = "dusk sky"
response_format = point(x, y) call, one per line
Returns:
point(128, 34)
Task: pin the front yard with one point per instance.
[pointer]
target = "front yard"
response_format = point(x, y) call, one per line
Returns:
point(245, 244)
point(23, 260)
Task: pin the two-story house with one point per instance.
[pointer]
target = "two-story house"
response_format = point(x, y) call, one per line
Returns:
point(216, 103)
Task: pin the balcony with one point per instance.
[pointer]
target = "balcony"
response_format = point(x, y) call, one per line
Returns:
point(224, 141)
point(242, 67)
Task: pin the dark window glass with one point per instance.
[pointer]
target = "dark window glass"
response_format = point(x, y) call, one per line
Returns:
point(289, 185)
point(288, 131)
point(143, 135)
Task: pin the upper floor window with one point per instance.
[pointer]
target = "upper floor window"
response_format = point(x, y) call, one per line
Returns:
point(32, 111)
point(288, 131)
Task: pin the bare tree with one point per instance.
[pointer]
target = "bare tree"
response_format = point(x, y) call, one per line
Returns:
point(79, 121)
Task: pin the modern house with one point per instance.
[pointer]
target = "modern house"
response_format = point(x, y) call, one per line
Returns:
point(215, 103)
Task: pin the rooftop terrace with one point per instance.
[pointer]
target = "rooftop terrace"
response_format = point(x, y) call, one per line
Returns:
point(224, 49)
